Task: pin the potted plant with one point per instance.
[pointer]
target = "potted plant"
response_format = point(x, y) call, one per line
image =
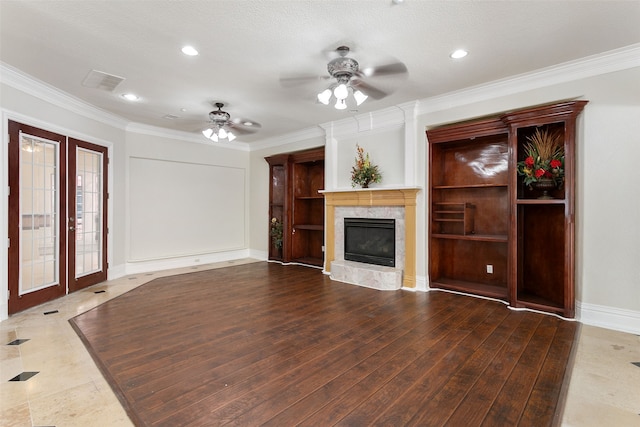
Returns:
point(363, 172)
point(276, 233)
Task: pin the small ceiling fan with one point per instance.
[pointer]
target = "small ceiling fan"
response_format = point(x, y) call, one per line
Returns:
point(221, 127)
point(350, 79)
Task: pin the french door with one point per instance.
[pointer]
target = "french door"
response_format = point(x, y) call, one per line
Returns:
point(57, 215)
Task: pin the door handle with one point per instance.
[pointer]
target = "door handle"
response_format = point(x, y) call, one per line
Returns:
point(72, 228)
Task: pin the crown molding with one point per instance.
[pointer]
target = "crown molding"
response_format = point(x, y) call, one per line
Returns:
point(595, 65)
point(373, 122)
point(161, 132)
point(288, 138)
point(37, 88)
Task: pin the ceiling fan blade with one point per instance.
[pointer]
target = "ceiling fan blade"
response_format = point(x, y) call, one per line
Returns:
point(293, 81)
point(367, 89)
point(384, 70)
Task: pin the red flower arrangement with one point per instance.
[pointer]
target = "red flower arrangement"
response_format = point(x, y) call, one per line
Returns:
point(544, 159)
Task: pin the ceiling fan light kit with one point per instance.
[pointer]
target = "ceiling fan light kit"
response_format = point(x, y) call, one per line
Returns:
point(222, 128)
point(350, 83)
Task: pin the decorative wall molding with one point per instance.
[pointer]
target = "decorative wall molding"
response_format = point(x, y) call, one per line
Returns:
point(181, 262)
point(288, 138)
point(183, 136)
point(368, 123)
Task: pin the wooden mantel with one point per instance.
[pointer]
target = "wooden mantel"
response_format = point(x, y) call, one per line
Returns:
point(405, 197)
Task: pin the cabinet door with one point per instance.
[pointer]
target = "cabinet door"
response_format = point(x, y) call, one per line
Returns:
point(278, 205)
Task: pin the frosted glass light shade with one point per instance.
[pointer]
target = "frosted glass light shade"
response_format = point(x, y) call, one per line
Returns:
point(324, 96)
point(360, 97)
point(341, 91)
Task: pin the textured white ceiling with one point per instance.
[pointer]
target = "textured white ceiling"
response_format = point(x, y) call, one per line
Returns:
point(246, 47)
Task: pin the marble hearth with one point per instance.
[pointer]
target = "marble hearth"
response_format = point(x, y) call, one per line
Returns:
point(399, 204)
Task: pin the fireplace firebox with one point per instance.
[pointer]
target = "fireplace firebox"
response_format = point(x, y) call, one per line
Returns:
point(370, 240)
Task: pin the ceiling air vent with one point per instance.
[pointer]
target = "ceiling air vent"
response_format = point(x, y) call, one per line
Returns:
point(101, 80)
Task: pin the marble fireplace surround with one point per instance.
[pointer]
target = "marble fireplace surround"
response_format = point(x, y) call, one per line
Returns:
point(399, 204)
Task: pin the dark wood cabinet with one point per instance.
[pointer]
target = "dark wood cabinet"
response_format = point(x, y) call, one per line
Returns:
point(294, 199)
point(469, 194)
point(543, 228)
point(489, 233)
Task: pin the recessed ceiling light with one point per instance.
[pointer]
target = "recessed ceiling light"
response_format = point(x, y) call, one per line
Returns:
point(189, 50)
point(247, 123)
point(130, 96)
point(460, 53)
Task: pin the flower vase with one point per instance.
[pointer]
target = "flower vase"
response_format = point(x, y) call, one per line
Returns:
point(545, 185)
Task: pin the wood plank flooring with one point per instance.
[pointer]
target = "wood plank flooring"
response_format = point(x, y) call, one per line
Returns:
point(266, 344)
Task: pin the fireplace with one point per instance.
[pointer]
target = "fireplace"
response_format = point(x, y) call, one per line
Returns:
point(370, 240)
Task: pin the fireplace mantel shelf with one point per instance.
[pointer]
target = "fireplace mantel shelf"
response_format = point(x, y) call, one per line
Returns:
point(359, 190)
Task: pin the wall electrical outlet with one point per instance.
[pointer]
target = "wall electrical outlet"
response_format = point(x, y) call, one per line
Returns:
point(489, 269)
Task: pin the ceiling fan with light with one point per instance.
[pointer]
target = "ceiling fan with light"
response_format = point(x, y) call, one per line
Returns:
point(221, 127)
point(351, 83)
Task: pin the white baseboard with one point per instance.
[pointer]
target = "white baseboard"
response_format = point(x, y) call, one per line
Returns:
point(608, 317)
point(421, 284)
point(181, 262)
point(617, 319)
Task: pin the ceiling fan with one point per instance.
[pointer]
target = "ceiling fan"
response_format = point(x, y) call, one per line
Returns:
point(221, 127)
point(350, 79)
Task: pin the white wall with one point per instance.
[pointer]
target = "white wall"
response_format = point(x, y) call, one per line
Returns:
point(385, 149)
point(187, 202)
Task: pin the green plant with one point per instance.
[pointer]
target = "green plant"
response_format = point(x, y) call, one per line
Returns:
point(363, 172)
point(276, 232)
point(544, 159)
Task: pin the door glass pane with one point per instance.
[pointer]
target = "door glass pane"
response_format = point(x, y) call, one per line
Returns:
point(88, 212)
point(39, 207)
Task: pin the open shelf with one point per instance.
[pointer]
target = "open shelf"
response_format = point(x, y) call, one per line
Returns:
point(319, 197)
point(309, 227)
point(492, 291)
point(498, 238)
point(309, 261)
point(541, 201)
point(454, 187)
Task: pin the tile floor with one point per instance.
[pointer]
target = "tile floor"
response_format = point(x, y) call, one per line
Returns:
point(68, 389)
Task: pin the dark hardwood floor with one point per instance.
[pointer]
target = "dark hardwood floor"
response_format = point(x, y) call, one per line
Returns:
point(266, 344)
